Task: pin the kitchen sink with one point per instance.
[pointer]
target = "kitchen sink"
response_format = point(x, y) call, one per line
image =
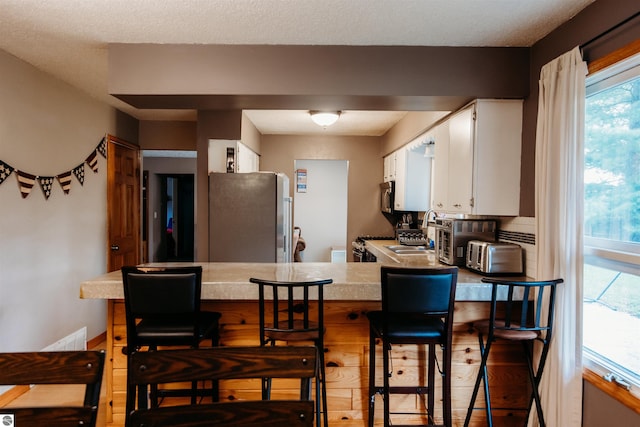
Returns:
point(407, 250)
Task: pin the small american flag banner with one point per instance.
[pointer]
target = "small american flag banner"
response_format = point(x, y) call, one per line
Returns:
point(26, 182)
point(46, 183)
point(102, 147)
point(5, 171)
point(78, 171)
point(92, 161)
point(65, 181)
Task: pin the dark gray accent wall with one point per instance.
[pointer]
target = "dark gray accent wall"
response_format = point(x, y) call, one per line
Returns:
point(314, 77)
point(597, 18)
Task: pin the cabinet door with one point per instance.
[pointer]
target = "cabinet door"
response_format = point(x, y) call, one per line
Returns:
point(219, 157)
point(390, 167)
point(440, 167)
point(460, 173)
point(247, 159)
point(413, 180)
point(498, 141)
point(400, 179)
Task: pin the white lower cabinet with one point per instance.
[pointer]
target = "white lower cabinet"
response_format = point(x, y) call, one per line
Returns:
point(477, 168)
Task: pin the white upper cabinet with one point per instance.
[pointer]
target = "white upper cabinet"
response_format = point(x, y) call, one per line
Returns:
point(479, 164)
point(389, 167)
point(412, 177)
point(231, 156)
point(460, 185)
point(247, 159)
point(440, 166)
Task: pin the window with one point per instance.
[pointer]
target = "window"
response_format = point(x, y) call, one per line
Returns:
point(612, 222)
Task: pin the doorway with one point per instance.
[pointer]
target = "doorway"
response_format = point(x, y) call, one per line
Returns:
point(320, 206)
point(176, 218)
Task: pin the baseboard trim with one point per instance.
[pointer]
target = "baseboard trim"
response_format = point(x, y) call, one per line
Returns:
point(12, 394)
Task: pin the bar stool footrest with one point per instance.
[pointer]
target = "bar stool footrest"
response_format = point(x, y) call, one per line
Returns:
point(403, 390)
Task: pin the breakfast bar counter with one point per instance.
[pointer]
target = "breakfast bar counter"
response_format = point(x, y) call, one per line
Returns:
point(355, 291)
point(230, 281)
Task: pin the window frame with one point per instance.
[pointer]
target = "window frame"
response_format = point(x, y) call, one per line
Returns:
point(606, 253)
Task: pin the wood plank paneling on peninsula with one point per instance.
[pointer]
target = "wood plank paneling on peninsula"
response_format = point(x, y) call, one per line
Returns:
point(355, 291)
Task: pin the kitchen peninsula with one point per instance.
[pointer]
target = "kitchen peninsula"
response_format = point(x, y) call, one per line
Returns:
point(354, 291)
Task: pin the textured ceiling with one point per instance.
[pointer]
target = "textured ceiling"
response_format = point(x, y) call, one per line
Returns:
point(69, 38)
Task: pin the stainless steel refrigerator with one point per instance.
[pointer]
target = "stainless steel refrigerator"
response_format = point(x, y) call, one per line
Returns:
point(249, 217)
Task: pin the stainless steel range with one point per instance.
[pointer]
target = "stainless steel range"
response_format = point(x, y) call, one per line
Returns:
point(452, 236)
point(360, 254)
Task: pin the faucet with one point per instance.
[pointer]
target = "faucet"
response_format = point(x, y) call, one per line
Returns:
point(425, 219)
point(425, 225)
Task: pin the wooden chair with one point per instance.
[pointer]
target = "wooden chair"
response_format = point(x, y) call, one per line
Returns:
point(65, 367)
point(224, 363)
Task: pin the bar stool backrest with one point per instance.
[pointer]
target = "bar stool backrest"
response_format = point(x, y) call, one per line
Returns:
point(423, 291)
point(64, 367)
point(290, 308)
point(161, 294)
point(420, 293)
point(528, 307)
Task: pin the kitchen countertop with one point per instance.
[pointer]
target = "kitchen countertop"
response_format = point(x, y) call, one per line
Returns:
point(351, 281)
point(386, 256)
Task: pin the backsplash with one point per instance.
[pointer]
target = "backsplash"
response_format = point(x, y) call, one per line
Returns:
point(521, 230)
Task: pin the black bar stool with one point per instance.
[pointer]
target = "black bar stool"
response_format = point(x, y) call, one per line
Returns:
point(527, 317)
point(417, 308)
point(162, 308)
point(287, 318)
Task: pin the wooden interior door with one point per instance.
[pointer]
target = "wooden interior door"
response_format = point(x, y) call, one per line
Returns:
point(123, 203)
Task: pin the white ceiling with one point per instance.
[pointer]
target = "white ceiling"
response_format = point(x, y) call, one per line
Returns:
point(69, 38)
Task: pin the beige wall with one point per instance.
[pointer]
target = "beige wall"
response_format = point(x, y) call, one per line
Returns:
point(365, 172)
point(411, 126)
point(251, 137)
point(50, 245)
point(167, 135)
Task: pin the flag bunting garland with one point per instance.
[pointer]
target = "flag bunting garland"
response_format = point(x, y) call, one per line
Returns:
point(26, 181)
point(5, 171)
point(46, 183)
point(65, 181)
point(92, 161)
point(78, 171)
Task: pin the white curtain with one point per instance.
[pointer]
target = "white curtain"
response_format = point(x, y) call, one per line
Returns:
point(559, 218)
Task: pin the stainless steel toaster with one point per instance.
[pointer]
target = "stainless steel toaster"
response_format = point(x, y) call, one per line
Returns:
point(494, 257)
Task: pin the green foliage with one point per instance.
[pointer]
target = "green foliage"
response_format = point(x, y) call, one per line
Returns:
point(612, 163)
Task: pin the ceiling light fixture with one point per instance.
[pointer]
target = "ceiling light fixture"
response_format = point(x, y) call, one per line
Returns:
point(324, 118)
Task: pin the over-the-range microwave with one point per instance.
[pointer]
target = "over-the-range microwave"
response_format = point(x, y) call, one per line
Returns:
point(386, 196)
